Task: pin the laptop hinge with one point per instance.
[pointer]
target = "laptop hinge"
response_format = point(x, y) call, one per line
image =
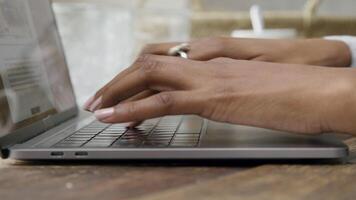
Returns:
point(4, 153)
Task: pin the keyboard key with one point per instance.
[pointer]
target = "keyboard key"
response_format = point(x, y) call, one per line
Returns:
point(100, 142)
point(157, 131)
point(72, 141)
point(129, 138)
point(109, 135)
point(79, 138)
point(185, 139)
point(103, 140)
point(161, 130)
point(158, 140)
point(131, 133)
point(186, 136)
point(164, 135)
point(85, 133)
point(161, 135)
point(106, 137)
point(113, 132)
point(127, 143)
point(75, 140)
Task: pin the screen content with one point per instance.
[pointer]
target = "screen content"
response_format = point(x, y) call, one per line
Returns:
point(34, 79)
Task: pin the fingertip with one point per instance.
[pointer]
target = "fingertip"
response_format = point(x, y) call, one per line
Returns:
point(96, 104)
point(88, 103)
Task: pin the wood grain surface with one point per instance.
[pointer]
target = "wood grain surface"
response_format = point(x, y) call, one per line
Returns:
point(120, 180)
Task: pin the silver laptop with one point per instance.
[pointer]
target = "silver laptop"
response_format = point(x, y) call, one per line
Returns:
point(39, 119)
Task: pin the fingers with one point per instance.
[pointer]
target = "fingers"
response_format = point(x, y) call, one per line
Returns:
point(165, 103)
point(159, 73)
point(139, 96)
point(197, 50)
point(201, 49)
point(213, 47)
point(93, 102)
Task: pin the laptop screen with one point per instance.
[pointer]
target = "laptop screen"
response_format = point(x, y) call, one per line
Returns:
point(34, 79)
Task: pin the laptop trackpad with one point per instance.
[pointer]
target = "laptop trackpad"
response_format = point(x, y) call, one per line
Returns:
point(227, 135)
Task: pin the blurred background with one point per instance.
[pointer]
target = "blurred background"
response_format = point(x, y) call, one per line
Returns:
point(102, 37)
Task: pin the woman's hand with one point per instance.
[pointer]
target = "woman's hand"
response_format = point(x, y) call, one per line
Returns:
point(312, 51)
point(296, 98)
point(309, 51)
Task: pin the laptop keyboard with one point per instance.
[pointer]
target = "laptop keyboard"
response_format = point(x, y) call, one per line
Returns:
point(171, 131)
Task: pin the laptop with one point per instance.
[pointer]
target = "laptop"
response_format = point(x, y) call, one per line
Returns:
point(39, 118)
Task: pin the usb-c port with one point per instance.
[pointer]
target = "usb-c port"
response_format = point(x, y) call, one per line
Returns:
point(81, 153)
point(57, 154)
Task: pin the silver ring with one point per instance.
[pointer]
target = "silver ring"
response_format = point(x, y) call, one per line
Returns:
point(179, 50)
point(182, 54)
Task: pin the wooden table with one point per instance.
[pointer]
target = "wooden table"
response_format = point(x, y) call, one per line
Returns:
point(170, 181)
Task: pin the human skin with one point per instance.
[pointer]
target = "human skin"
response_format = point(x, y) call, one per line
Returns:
point(303, 51)
point(297, 98)
point(318, 52)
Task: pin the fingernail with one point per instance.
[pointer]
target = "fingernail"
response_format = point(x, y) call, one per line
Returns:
point(96, 104)
point(88, 103)
point(104, 113)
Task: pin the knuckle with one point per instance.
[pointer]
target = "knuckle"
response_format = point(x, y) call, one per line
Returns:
point(144, 58)
point(166, 100)
point(149, 67)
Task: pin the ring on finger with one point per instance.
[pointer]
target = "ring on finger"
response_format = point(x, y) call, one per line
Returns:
point(180, 50)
